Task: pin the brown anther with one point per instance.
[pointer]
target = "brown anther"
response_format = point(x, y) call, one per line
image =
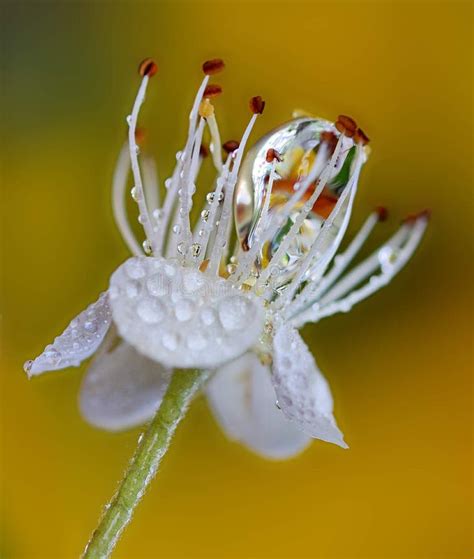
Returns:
point(148, 67)
point(348, 122)
point(329, 138)
point(230, 146)
point(272, 154)
point(203, 151)
point(361, 137)
point(212, 90)
point(382, 213)
point(140, 135)
point(213, 66)
point(257, 104)
point(343, 130)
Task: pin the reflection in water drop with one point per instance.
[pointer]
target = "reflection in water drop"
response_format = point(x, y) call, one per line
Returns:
point(302, 144)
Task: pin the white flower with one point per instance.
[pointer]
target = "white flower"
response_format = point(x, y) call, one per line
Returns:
point(229, 292)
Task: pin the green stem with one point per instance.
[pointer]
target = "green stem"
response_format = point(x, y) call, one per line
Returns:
point(152, 446)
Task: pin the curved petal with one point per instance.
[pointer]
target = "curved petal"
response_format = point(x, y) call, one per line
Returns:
point(302, 391)
point(78, 342)
point(242, 399)
point(122, 388)
point(181, 316)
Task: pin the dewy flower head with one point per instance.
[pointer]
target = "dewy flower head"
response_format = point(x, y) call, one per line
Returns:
point(228, 290)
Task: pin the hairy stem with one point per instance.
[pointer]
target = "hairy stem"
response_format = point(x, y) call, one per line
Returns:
point(152, 446)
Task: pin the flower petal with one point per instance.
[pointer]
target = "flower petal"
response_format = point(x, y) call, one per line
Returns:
point(122, 388)
point(78, 342)
point(180, 316)
point(242, 399)
point(302, 391)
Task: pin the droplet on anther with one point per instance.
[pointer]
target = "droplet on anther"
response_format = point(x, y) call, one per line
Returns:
point(213, 66)
point(148, 67)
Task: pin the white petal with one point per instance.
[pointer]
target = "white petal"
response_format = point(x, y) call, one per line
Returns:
point(122, 388)
point(242, 399)
point(78, 342)
point(302, 391)
point(180, 316)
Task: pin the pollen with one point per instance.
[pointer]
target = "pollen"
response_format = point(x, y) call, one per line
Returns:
point(360, 137)
point(206, 109)
point(213, 66)
point(148, 67)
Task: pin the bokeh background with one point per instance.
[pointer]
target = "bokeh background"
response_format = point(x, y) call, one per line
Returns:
point(399, 364)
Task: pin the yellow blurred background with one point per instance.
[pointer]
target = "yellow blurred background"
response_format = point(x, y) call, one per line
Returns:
point(399, 364)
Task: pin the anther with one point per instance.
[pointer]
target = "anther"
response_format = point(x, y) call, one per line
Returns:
point(213, 66)
point(382, 213)
point(205, 108)
point(343, 130)
point(148, 67)
point(257, 104)
point(273, 154)
point(212, 90)
point(230, 146)
point(329, 138)
point(348, 122)
point(203, 151)
point(361, 137)
point(412, 218)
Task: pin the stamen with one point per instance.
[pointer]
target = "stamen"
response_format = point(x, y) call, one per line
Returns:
point(230, 146)
point(215, 142)
point(390, 258)
point(147, 67)
point(144, 216)
point(223, 230)
point(119, 185)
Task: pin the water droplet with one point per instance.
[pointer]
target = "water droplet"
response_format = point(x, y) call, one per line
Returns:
point(157, 214)
point(195, 249)
point(184, 309)
point(168, 183)
point(158, 285)
point(150, 311)
point(235, 312)
point(205, 215)
point(134, 268)
point(147, 248)
point(208, 316)
point(135, 193)
point(132, 289)
point(27, 366)
point(90, 326)
point(210, 197)
point(129, 119)
point(181, 248)
point(176, 229)
point(142, 219)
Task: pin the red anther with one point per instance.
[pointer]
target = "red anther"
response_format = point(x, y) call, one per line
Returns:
point(382, 213)
point(348, 122)
point(412, 218)
point(148, 67)
point(343, 130)
point(361, 137)
point(212, 90)
point(203, 151)
point(213, 66)
point(257, 104)
point(272, 154)
point(230, 146)
point(140, 135)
